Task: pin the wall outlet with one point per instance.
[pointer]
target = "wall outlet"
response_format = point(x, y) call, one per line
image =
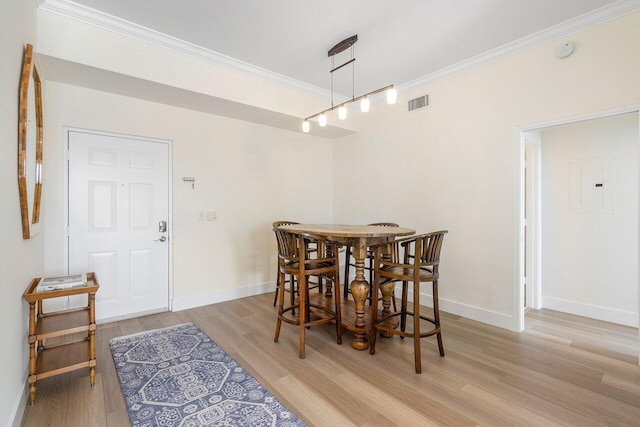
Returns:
point(212, 215)
point(202, 215)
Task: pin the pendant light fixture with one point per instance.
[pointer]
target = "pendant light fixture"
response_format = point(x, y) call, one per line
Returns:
point(342, 113)
point(365, 102)
point(392, 96)
point(364, 105)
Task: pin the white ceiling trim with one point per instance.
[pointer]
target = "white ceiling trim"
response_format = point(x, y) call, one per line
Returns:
point(547, 35)
point(103, 20)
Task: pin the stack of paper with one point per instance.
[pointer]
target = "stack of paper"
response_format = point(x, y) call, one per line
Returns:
point(62, 282)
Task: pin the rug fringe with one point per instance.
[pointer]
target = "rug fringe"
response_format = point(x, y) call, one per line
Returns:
point(112, 340)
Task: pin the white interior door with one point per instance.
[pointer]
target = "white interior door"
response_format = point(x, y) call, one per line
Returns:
point(118, 201)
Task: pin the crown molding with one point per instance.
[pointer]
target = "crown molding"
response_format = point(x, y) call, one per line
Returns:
point(105, 21)
point(112, 23)
point(596, 17)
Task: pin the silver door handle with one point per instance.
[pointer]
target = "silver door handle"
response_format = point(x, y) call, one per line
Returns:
point(161, 239)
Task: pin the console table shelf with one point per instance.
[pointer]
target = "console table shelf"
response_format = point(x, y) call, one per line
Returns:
point(63, 358)
point(49, 360)
point(61, 323)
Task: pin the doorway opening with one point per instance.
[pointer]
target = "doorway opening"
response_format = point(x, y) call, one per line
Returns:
point(579, 219)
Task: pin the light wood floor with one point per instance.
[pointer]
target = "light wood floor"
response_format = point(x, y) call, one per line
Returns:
point(563, 370)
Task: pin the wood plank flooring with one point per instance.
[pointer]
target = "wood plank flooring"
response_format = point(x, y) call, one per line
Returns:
point(563, 370)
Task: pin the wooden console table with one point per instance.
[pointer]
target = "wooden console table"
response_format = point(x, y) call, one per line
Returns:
point(49, 360)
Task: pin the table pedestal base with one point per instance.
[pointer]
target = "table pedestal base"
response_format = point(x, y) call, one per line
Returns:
point(360, 291)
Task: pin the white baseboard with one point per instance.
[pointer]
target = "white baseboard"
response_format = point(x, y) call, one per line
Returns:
point(130, 315)
point(21, 402)
point(193, 301)
point(606, 314)
point(483, 315)
point(471, 312)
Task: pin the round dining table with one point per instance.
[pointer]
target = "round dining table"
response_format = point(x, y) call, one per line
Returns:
point(359, 237)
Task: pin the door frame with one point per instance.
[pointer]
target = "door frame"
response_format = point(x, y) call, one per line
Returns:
point(519, 139)
point(534, 165)
point(169, 143)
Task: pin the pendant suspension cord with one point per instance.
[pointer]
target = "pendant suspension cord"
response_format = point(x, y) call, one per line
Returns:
point(353, 74)
point(332, 65)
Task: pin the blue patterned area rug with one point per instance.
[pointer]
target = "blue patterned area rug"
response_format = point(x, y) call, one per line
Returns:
point(178, 376)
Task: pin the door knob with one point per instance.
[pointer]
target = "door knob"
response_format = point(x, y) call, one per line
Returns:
point(161, 239)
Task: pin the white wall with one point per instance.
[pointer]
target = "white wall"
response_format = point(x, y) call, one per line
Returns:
point(589, 254)
point(456, 164)
point(20, 260)
point(251, 174)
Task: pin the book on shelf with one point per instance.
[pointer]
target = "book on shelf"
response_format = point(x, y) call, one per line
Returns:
point(61, 282)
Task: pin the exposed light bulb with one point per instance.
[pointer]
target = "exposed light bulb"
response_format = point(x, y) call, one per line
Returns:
point(305, 127)
point(364, 105)
point(322, 120)
point(342, 113)
point(392, 96)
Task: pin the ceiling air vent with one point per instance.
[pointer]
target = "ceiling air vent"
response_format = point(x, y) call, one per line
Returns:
point(420, 102)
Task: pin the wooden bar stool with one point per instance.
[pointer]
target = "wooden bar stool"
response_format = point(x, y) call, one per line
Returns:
point(421, 259)
point(290, 279)
point(277, 224)
point(293, 260)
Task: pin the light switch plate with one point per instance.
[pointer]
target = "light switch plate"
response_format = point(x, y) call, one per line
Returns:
point(212, 215)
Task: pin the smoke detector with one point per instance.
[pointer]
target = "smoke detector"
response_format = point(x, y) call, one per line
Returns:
point(564, 50)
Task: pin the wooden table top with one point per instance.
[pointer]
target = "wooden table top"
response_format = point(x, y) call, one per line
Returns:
point(341, 230)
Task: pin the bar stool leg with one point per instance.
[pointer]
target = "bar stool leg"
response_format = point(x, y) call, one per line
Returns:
point(403, 308)
point(338, 305)
point(370, 280)
point(280, 306)
point(302, 288)
point(275, 296)
point(436, 317)
point(416, 326)
point(373, 318)
point(292, 291)
point(347, 259)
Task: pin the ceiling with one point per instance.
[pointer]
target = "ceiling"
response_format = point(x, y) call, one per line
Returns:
point(399, 41)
